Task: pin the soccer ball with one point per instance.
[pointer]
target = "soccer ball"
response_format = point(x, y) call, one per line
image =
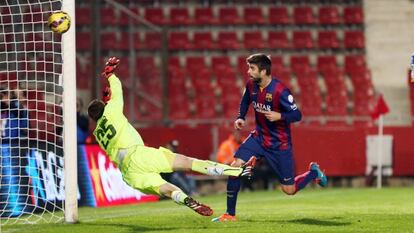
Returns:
point(59, 22)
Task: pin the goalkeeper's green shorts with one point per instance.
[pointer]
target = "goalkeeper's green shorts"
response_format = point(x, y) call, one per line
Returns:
point(142, 167)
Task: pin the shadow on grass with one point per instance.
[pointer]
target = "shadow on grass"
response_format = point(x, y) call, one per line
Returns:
point(309, 221)
point(317, 222)
point(130, 227)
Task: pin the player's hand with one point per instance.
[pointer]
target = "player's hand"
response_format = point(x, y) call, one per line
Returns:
point(272, 116)
point(110, 67)
point(239, 124)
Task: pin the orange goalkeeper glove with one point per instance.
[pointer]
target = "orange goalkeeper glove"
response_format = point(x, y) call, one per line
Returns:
point(110, 67)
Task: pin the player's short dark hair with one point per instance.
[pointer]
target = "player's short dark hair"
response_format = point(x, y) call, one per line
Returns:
point(262, 61)
point(96, 109)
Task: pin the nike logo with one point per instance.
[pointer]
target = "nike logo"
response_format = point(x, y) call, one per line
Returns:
point(286, 179)
point(215, 171)
point(218, 171)
point(254, 93)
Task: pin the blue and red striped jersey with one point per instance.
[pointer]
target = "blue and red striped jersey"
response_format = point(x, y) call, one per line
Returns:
point(274, 97)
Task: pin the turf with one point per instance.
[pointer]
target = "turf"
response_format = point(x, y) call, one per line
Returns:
point(312, 210)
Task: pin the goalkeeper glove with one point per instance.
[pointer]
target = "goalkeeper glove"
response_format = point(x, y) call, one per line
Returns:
point(110, 67)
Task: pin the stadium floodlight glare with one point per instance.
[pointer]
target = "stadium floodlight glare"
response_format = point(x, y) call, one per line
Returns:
point(38, 153)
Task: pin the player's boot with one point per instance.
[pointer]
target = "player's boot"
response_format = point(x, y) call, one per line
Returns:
point(225, 218)
point(198, 207)
point(321, 179)
point(248, 167)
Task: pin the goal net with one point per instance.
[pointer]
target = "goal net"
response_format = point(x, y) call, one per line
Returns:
point(32, 184)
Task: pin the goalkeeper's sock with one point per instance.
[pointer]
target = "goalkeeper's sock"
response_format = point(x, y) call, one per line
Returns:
point(214, 169)
point(233, 187)
point(179, 196)
point(302, 180)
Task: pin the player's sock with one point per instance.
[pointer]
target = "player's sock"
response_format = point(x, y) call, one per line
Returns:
point(302, 180)
point(179, 196)
point(214, 169)
point(233, 187)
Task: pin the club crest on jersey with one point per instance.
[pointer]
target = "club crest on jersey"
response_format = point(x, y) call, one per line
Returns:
point(269, 97)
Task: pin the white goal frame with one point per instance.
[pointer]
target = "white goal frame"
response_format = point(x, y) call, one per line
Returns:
point(69, 115)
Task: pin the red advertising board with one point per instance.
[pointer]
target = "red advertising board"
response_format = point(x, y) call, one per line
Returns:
point(107, 183)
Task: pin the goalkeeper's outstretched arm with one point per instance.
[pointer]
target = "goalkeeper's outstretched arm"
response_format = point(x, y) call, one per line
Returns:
point(116, 91)
point(113, 95)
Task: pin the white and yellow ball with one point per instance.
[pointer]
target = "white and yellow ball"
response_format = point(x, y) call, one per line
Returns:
point(59, 22)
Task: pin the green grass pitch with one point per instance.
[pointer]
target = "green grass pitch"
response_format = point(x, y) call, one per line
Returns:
point(311, 210)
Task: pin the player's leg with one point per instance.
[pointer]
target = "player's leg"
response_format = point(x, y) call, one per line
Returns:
point(151, 160)
point(152, 183)
point(283, 164)
point(314, 174)
point(175, 193)
point(245, 152)
point(142, 173)
point(184, 163)
point(233, 188)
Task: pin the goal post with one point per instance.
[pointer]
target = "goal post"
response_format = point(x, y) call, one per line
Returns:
point(69, 115)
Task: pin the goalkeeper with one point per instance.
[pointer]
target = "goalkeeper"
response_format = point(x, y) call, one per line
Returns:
point(141, 165)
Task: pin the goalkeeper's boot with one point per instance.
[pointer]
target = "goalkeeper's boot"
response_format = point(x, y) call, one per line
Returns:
point(225, 218)
point(248, 167)
point(321, 179)
point(198, 207)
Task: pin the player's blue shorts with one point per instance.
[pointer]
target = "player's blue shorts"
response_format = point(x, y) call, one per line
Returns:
point(280, 161)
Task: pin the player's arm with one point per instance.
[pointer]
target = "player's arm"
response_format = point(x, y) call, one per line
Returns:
point(113, 93)
point(116, 90)
point(244, 107)
point(244, 103)
point(290, 111)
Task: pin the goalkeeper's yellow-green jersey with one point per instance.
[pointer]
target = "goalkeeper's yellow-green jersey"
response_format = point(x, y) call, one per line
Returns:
point(113, 131)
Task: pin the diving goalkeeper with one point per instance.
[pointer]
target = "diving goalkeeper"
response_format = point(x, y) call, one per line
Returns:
point(141, 165)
